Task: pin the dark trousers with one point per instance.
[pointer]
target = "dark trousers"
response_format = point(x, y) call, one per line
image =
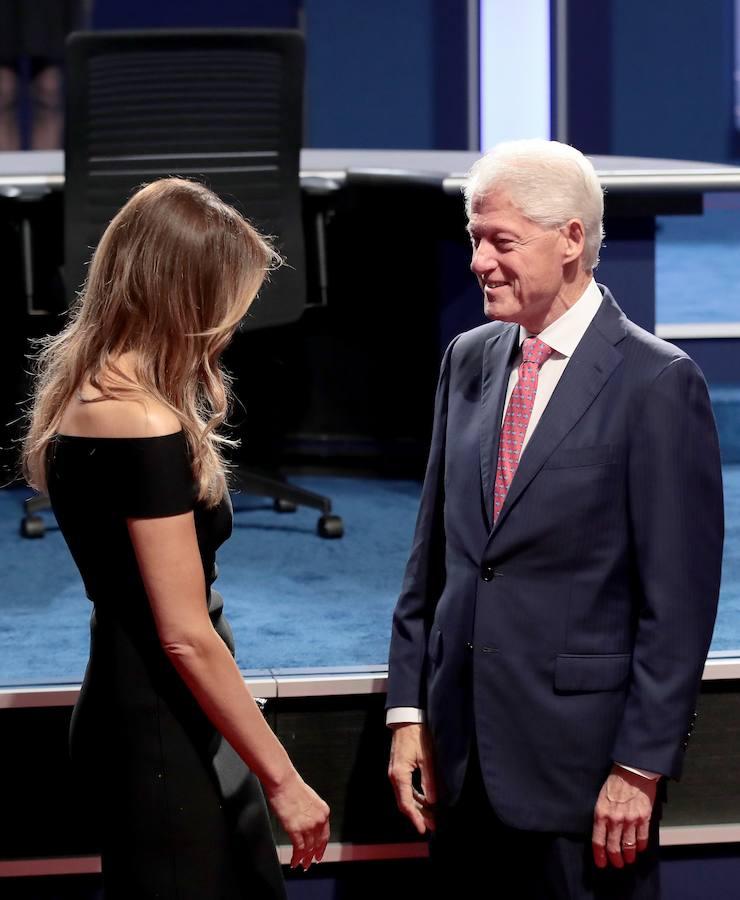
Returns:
point(474, 854)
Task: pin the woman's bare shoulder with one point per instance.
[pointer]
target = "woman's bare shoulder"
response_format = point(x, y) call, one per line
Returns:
point(139, 416)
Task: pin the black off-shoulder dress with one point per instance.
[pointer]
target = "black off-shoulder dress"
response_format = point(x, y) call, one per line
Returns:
point(181, 816)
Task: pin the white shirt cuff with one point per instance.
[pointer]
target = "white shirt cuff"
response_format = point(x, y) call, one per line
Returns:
point(404, 715)
point(651, 776)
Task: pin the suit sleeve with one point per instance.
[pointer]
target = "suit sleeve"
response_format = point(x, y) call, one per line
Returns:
point(677, 521)
point(425, 571)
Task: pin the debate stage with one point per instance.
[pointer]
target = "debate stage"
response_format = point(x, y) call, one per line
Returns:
point(330, 715)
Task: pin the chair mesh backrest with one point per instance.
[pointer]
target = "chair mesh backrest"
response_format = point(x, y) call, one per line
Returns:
point(221, 106)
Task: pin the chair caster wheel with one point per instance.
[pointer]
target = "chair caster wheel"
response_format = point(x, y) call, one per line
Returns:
point(330, 527)
point(283, 506)
point(32, 527)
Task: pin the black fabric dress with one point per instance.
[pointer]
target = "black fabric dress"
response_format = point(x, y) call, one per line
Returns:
point(182, 818)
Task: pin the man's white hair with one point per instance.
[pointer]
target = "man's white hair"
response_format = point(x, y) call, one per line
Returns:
point(549, 182)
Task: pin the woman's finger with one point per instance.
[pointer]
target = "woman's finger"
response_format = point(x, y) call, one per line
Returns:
point(323, 841)
point(299, 846)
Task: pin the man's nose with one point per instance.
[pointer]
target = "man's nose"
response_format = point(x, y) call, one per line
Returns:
point(484, 259)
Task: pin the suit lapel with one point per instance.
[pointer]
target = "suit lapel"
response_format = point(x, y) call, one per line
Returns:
point(588, 370)
point(496, 356)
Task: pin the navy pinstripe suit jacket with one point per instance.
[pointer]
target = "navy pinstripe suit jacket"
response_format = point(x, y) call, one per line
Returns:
point(574, 631)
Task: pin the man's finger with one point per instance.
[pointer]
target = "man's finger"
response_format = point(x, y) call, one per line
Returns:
point(426, 809)
point(422, 799)
point(405, 802)
point(599, 854)
point(598, 841)
point(614, 845)
point(629, 844)
point(428, 782)
point(643, 835)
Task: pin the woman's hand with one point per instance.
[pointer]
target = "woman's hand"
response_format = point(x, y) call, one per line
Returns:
point(304, 817)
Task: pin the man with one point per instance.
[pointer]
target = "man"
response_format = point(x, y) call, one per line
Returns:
point(559, 600)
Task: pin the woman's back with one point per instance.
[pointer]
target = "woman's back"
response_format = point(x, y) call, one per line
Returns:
point(160, 773)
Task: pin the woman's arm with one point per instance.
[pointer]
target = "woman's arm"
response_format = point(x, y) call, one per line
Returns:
point(169, 561)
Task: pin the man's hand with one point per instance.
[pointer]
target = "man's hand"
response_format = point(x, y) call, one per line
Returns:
point(622, 818)
point(411, 749)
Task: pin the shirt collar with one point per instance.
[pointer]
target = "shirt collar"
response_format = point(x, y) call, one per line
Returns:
point(565, 333)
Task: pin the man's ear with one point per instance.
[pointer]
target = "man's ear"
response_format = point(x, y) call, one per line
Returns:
point(575, 240)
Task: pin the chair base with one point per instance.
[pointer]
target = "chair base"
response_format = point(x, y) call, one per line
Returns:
point(286, 498)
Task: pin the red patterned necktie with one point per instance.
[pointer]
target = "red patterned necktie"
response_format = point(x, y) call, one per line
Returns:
point(518, 413)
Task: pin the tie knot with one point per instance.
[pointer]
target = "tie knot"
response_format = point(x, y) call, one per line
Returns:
point(535, 351)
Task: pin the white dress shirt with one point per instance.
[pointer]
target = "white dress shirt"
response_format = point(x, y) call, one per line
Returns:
point(563, 335)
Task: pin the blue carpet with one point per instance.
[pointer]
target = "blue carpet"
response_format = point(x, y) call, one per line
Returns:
point(293, 599)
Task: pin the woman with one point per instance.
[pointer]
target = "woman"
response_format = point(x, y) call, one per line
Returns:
point(123, 435)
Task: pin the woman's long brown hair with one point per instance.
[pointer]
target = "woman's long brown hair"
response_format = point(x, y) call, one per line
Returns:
point(173, 274)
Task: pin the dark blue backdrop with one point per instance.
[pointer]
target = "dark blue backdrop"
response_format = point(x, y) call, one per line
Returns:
point(650, 79)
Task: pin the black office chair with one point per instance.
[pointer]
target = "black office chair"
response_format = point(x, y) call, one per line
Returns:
point(221, 106)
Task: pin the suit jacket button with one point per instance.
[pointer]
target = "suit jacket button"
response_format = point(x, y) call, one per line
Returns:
point(469, 646)
point(487, 572)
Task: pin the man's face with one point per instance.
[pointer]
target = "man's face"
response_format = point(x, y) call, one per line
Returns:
point(518, 264)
